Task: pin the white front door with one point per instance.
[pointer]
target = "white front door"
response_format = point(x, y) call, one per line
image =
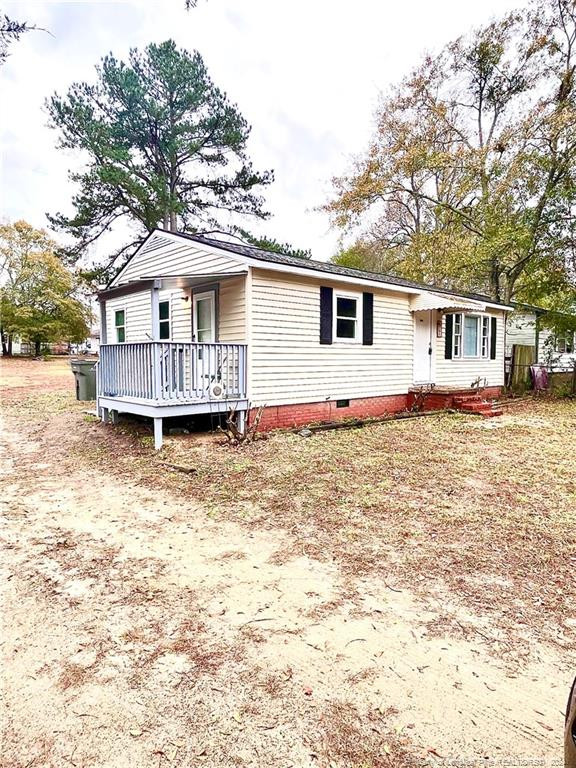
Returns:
point(204, 330)
point(204, 320)
point(424, 347)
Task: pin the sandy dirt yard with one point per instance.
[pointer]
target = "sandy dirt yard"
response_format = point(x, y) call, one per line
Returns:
point(398, 595)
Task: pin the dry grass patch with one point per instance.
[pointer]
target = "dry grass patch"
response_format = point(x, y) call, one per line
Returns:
point(482, 509)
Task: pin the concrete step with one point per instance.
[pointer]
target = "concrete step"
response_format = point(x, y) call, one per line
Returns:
point(461, 399)
point(476, 407)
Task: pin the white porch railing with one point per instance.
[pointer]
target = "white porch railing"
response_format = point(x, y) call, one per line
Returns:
point(173, 371)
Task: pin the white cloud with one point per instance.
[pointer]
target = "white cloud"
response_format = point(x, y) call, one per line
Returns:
point(306, 74)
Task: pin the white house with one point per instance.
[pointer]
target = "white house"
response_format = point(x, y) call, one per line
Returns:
point(196, 324)
point(527, 326)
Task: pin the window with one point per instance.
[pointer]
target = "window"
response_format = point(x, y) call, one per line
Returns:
point(565, 343)
point(346, 318)
point(485, 337)
point(164, 313)
point(471, 336)
point(120, 325)
point(457, 335)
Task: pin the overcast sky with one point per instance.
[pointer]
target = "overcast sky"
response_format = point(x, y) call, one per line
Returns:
point(306, 74)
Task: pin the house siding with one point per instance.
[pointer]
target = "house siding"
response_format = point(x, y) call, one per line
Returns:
point(288, 363)
point(137, 317)
point(547, 355)
point(520, 329)
point(232, 311)
point(463, 371)
point(162, 257)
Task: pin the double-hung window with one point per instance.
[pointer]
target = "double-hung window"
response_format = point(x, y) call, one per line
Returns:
point(471, 336)
point(120, 325)
point(164, 314)
point(347, 318)
point(565, 343)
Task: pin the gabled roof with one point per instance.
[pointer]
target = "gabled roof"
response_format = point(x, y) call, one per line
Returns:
point(260, 254)
point(252, 252)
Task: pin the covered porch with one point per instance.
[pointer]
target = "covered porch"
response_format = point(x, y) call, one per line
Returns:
point(173, 347)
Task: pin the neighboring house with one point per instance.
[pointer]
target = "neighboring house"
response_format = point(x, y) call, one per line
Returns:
point(527, 326)
point(193, 324)
point(90, 345)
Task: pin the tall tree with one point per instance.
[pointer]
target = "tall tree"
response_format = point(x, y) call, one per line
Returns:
point(165, 147)
point(11, 31)
point(39, 295)
point(470, 180)
point(273, 245)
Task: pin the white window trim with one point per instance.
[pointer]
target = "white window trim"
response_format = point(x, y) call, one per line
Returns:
point(480, 321)
point(124, 309)
point(346, 295)
point(170, 327)
point(567, 338)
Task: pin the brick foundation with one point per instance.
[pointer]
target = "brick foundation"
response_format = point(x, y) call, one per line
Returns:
point(439, 399)
point(300, 414)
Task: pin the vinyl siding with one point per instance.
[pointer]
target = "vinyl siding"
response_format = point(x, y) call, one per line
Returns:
point(180, 314)
point(462, 372)
point(162, 257)
point(288, 363)
point(556, 361)
point(137, 317)
point(232, 311)
point(231, 314)
point(520, 329)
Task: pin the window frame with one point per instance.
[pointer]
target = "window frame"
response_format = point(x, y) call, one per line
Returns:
point(118, 327)
point(483, 336)
point(357, 297)
point(568, 338)
point(165, 320)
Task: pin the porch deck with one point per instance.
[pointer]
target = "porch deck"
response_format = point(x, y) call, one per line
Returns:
point(161, 379)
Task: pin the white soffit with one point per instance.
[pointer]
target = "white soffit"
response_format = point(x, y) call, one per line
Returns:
point(427, 301)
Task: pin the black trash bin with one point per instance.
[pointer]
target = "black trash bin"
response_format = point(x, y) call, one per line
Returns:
point(85, 374)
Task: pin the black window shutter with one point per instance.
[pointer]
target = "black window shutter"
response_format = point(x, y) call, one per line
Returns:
point(367, 318)
point(325, 315)
point(448, 334)
point(493, 333)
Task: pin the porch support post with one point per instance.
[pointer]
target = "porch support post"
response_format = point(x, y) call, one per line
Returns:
point(241, 425)
point(157, 433)
point(103, 329)
point(114, 417)
point(156, 362)
point(155, 310)
point(104, 415)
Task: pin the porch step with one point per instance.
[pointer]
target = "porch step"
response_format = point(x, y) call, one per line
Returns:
point(463, 399)
point(481, 407)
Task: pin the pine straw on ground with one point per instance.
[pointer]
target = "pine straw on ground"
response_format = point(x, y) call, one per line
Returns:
point(474, 513)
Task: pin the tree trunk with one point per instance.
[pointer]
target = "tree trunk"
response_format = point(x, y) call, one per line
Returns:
point(173, 222)
point(9, 353)
point(37, 348)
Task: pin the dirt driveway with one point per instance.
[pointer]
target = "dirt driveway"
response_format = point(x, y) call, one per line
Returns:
point(159, 619)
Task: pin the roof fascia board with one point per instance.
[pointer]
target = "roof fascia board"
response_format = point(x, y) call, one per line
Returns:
point(309, 271)
point(137, 286)
point(114, 281)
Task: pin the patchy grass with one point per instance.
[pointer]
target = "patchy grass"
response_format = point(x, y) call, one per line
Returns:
point(484, 509)
point(250, 607)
